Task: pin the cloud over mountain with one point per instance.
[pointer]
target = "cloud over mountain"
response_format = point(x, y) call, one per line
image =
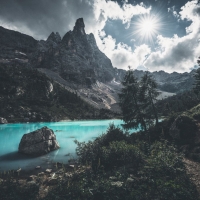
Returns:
point(178, 53)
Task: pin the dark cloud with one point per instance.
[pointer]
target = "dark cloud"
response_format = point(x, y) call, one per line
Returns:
point(197, 11)
point(42, 17)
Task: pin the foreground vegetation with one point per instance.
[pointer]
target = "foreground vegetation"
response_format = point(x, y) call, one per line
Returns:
point(118, 165)
point(125, 166)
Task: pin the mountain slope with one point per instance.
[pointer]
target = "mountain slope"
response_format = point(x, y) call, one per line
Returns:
point(15, 46)
point(26, 95)
point(174, 82)
point(77, 64)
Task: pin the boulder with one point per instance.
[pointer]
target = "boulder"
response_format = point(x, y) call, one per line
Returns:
point(48, 170)
point(3, 121)
point(38, 142)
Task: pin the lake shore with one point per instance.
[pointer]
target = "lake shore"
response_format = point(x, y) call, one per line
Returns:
point(66, 133)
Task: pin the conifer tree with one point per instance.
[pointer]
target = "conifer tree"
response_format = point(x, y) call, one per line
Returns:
point(132, 110)
point(148, 95)
point(137, 101)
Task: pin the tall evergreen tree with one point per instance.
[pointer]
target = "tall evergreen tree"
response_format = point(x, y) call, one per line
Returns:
point(149, 94)
point(132, 110)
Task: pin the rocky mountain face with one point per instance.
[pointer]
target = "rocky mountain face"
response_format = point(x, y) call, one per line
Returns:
point(16, 47)
point(174, 82)
point(27, 95)
point(75, 57)
point(77, 64)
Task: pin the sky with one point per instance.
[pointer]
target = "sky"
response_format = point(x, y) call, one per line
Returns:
point(149, 35)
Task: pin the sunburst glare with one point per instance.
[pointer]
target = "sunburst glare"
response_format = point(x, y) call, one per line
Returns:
point(147, 28)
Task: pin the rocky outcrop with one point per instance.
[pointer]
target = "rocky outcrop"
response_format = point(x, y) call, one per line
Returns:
point(38, 142)
point(15, 47)
point(3, 121)
point(76, 57)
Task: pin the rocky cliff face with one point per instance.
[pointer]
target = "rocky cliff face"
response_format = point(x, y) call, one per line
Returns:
point(15, 46)
point(75, 57)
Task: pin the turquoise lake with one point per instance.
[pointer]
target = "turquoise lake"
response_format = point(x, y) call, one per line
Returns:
point(66, 133)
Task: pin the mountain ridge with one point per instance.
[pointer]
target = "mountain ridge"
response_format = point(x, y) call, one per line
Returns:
point(81, 67)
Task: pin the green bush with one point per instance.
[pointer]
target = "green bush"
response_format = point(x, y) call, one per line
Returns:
point(166, 173)
point(119, 153)
point(187, 128)
point(91, 151)
point(10, 190)
point(164, 159)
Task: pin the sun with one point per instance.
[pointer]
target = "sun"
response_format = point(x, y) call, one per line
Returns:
point(147, 27)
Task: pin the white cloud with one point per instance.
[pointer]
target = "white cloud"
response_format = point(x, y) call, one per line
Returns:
point(122, 55)
point(104, 10)
point(173, 11)
point(178, 53)
point(112, 10)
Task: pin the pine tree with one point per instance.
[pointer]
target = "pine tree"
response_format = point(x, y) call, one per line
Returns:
point(132, 111)
point(148, 95)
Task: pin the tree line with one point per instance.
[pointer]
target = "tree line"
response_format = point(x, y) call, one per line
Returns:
point(138, 100)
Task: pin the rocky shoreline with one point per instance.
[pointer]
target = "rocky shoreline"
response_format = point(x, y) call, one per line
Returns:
point(44, 178)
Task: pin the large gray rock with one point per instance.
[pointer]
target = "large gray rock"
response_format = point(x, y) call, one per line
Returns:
point(3, 121)
point(38, 142)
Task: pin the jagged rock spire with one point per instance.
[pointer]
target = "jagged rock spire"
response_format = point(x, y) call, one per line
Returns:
point(55, 37)
point(79, 26)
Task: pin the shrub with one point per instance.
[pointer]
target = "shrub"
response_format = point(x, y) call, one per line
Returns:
point(10, 190)
point(119, 153)
point(91, 151)
point(187, 128)
point(164, 159)
point(166, 172)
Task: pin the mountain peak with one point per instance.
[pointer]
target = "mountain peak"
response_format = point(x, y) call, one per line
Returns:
point(55, 37)
point(79, 26)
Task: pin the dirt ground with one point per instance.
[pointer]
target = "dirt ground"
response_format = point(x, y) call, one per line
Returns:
point(193, 170)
